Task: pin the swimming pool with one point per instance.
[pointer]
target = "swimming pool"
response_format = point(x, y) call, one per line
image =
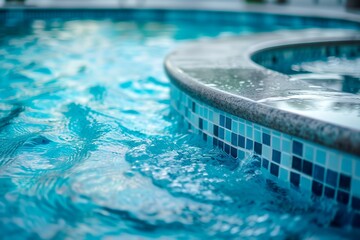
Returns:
point(90, 147)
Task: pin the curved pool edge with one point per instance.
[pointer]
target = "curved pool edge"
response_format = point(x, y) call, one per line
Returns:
point(246, 105)
point(311, 155)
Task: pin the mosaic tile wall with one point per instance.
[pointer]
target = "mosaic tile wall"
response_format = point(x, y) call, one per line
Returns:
point(282, 59)
point(295, 162)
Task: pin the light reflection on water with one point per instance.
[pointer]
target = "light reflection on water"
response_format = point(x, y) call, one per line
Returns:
point(89, 147)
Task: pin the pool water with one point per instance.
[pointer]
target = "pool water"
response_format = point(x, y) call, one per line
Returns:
point(337, 73)
point(89, 146)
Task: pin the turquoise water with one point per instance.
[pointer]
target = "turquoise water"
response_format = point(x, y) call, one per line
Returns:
point(89, 146)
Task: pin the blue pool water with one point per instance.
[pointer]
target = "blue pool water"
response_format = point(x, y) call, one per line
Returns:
point(89, 147)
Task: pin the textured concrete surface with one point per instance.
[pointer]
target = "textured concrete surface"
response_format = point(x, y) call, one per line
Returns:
point(221, 73)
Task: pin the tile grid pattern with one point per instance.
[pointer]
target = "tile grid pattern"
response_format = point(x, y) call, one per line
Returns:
point(283, 58)
point(298, 163)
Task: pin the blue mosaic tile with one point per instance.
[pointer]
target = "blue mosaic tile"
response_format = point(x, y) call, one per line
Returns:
point(295, 179)
point(275, 143)
point(276, 156)
point(221, 144)
point(305, 183)
point(193, 107)
point(249, 144)
point(234, 139)
point(241, 141)
point(233, 152)
point(215, 142)
point(313, 168)
point(317, 188)
point(355, 189)
point(201, 123)
point(257, 136)
point(274, 169)
point(346, 165)
point(309, 153)
point(241, 154)
point(204, 137)
point(329, 192)
point(228, 123)
point(258, 148)
point(227, 135)
point(333, 162)
point(307, 167)
point(286, 146)
point(216, 131)
point(344, 182)
point(284, 175)
point(242, 129)
point(342, 197)
point(265, 163)
point(331, 178)
point(221, 133)
point(235, 127)
point(296, 163)
point(286, 160)
point(319, 173)
point(227, 148)
point(297, 148)
point(266, 151)
point(222, 120)
point(249, 132)
point(320, 157)
point(355, 203)
point(266, 139)
point(357, 169)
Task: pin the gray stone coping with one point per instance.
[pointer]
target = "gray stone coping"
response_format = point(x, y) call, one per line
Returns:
point(221, 73)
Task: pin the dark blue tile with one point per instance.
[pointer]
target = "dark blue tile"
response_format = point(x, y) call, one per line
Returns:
point(201, 123)
point(317, 188)
point(265, 163)
point(222, 120)
point(295, 179)
point(204, 135)
point(227, 148)
point(342, 197)
point(355, 203)
point(345, 182)
point(228, 123)
point(331, 178)
point(274, 169)
point(241, 141)
point(307, 167)
point(215, 142)
point(233, 152)
point(356, 220)
point(234, 139)
point(296, 163)
point(249, 144)
point(221, 133)
point(266, 139)
point(193, 107)
point(258, 148)
point(276, 156)
point(297, 148)
point(216, 130)
point(221, 144)
point(319, 173)
point(329, 192)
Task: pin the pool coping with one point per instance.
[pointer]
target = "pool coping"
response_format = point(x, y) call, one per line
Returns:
point(178, 66)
